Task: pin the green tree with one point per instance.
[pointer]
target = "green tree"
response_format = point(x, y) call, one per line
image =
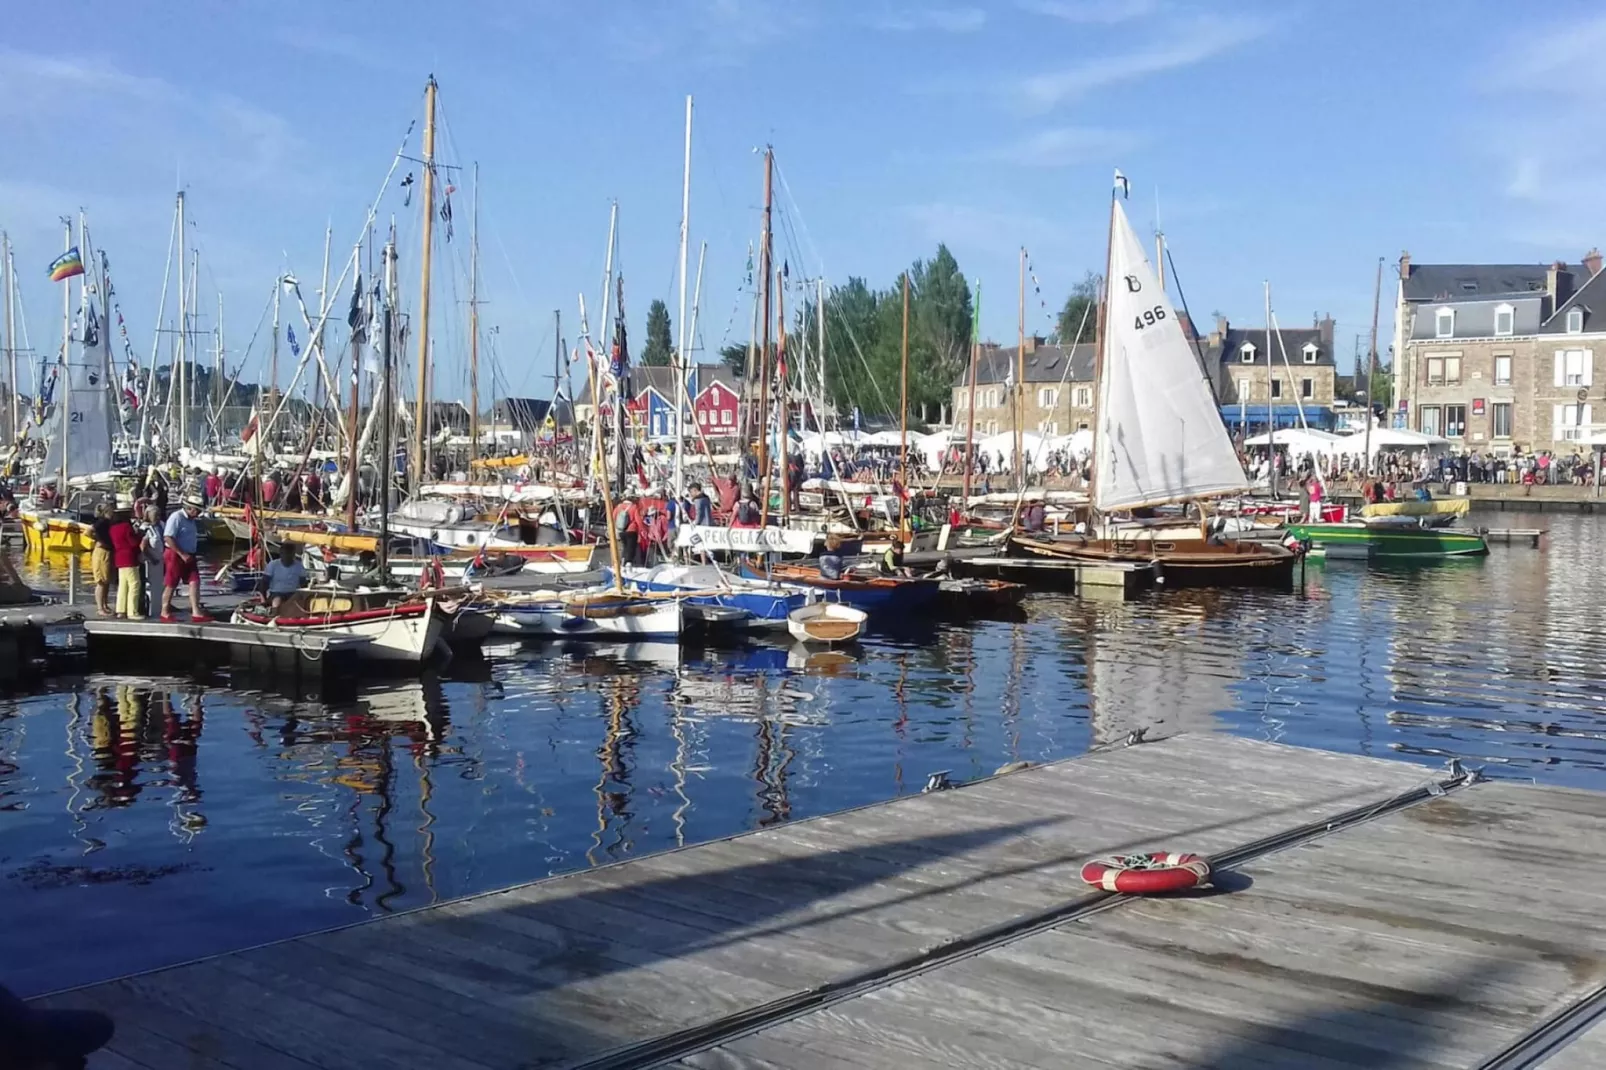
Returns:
point(1082, 302)
point(940, 320)
point(734, 357)
point(660, 344)
point(853, 325)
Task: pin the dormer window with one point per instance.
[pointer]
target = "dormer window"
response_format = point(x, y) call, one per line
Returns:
point(1246, 353)
point(1575, 321)
point(1309, 352)
point(1444, 323)
point(1505, 321)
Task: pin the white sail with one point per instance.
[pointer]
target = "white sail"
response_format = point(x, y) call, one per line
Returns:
point(1160, 436)
point(85, 414)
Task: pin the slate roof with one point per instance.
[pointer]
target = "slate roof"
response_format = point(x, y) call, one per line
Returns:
point(1045, 365)
point(1294, 340)
point(1447, 282)
point(528, 414)
point(1589, 297)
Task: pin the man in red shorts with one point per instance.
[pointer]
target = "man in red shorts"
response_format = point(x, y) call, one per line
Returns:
point(178, 560)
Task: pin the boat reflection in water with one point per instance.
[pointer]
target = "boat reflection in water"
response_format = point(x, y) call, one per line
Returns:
point(144, 739)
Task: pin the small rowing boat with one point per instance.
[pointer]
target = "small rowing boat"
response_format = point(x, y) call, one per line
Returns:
point(826, 623)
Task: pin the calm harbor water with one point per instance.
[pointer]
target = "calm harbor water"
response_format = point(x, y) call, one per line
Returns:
point(148, 821)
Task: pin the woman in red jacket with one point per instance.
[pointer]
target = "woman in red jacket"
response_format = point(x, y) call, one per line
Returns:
point(125, 559)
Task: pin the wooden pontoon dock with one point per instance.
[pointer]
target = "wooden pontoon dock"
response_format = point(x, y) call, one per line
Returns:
point(1367, 913)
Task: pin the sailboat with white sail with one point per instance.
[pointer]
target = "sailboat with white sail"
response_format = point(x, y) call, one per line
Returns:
point(79, 452)
point(1158, 440)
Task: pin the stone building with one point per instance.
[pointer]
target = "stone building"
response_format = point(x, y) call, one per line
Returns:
point(1059, 389)
point(1262, 379)
point(1497, 357)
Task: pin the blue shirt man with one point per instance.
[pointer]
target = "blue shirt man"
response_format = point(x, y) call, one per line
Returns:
point(181, 529)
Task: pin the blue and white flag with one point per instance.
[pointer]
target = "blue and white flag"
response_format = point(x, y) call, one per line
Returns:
point(295, 347)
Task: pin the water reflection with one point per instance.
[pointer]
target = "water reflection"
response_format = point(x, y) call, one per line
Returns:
point(172, 819)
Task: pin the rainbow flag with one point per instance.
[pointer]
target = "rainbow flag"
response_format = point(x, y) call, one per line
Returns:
point(66, 265)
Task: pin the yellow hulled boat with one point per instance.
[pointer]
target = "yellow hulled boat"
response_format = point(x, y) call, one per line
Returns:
point(54, 532)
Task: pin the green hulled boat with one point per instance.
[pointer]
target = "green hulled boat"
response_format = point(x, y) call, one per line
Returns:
point(1388, 542)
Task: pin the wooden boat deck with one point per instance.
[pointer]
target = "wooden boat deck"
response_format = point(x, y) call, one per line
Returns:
point(950, 929)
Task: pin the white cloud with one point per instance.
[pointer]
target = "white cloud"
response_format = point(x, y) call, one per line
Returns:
point(1064, 146)
point(1107, 12)
point(1184, 46)
point(710, 32)
point(1545, 134)
point(944, 19)
point(987, 230)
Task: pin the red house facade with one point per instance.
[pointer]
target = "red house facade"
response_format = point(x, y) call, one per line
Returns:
point(715, 409)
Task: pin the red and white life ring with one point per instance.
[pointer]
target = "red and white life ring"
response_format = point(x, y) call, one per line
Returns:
point(1147, 874)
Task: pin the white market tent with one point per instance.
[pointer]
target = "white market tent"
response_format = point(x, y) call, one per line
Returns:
point(1299, 441)
point(1389, 438)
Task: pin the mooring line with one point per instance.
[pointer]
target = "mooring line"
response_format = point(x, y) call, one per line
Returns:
point(677, 1045)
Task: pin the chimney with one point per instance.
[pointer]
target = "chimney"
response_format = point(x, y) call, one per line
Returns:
point(1032, 342)
point(1219, 335)
point(1558, 284)
point(1592, 262)
point(1324, 328)
point(1405, 265)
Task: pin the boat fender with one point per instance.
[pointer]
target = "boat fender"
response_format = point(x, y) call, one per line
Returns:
point(1147, 874)
point(1159, 573)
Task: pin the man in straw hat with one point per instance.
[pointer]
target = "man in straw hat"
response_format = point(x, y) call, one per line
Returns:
point(178, 560)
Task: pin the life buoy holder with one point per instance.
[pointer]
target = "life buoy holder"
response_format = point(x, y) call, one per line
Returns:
point(1148, 874)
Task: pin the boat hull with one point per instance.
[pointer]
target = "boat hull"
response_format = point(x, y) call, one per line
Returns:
point(404, 634)
point(559, 620)
point(47, 533)
point(1181, 562)
point(826, 623)
point(1380, 543)
point(879, 594)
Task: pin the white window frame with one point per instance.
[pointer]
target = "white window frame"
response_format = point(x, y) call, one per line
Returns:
point(1048, 397)
point(1245, 389)
point(1448, 423)
point(1500, 380)
point(1575, 320)
point(1510, 312)
point(1084, 397)
point(1574, 367)
point(1570, 421)
point(1444, 323)
point(1422, 421)
point(1307, 389)
point(1246, 353)
point(1494, 418)
point(1276, 388)
point(1310, 352)
point(1052, 429)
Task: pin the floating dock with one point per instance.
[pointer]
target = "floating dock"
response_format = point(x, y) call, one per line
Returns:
point(1365, 913)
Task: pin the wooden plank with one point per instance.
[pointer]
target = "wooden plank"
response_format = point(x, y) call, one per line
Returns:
point(566, 968)
point(151, 1032)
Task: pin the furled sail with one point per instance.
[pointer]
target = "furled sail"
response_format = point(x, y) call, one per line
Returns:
point(1160, 437)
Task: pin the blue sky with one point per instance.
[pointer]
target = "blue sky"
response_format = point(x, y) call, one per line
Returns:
point(1291, 141)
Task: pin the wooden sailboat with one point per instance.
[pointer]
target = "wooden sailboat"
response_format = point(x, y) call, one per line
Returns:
point(1158, 441)
point(80, 451)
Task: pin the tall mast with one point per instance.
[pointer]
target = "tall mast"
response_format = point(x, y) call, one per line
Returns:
point(323, 318)
point(474, 330)
point(764, 340)
point(1100, 341)
point(819, 305)
point(387, 455)
point(783, 416)
point(183, 329)
point(680, 353)
point(602, 325)
point(970, 420)
point(1020, 386)
point(557, 383)
point(353, 455)
point(65, 404)
point(1371, 362)
point(195, 313)
point(421, 424)
point(273, 365)
point(1271, 414)
point(11, 338)
point(903, 413)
